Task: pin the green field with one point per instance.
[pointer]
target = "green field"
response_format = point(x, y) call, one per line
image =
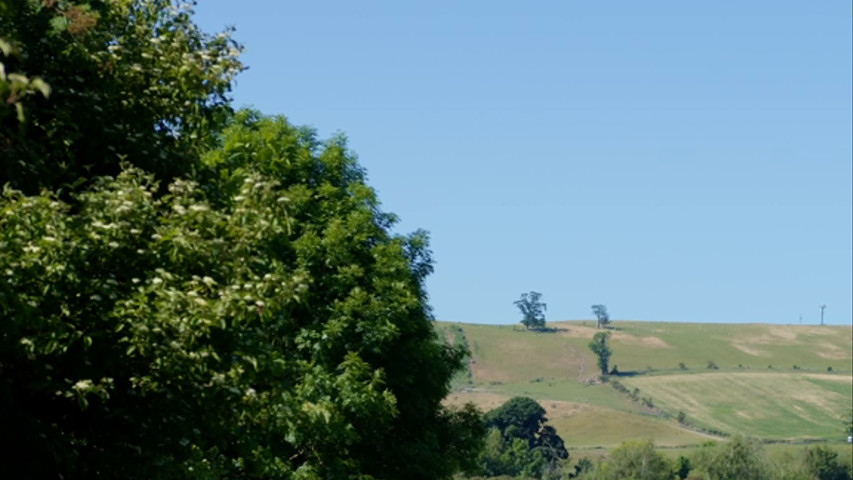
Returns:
point(774, 382)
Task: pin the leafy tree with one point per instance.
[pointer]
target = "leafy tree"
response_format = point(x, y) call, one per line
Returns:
point(741, 458)
point(15, 86)
point(601, 316)
point(583, 466)
point(520, 441)
point(185, 302)
point(518, 417)
point(682, 466)
point(282, 333)
point(128, 79)
point(532, 310)
point(635, 461)
point(821, 463)
point(511, 457)
point(600, 348)
point(181, 301)
point(847, 462)
point(493, 457)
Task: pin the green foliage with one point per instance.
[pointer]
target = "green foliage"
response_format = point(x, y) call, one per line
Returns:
point(822, 463)
point(264, 324)
point(513, 457)
point(847, 461)
point(181, 301)
point(518, 417)
point(14, 86)
point(602, 350)
point(741, 458)
point(456, 336)
point(532, 310)
point(682, 467)
point(128, 79)
point(601, 316)
point(760, 403)
point(635, 461)
point(583, 466)
point(520, 442)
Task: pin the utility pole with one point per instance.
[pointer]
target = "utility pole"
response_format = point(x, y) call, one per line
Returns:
point(822, 307)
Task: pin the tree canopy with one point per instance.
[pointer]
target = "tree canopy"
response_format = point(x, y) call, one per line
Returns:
point(520, 442)
point(532, 310)
point(601, 349)
point(192, 293)
point(128, 79)
point(635, 461)
point(284, 331)
point(601, 316)
point(739, 458)
point(520, 417)
point(822, 463)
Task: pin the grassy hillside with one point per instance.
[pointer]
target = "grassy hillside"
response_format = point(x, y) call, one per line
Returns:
point(771, 381)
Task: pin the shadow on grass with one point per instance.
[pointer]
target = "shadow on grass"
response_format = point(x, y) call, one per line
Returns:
point(627, 373)
point(541, 330)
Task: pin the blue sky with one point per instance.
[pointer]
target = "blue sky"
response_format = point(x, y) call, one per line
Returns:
point(676, 161)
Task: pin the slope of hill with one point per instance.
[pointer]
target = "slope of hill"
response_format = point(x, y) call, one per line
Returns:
point(775, 382)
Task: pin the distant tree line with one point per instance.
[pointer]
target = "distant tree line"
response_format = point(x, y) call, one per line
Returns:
point(741, 458)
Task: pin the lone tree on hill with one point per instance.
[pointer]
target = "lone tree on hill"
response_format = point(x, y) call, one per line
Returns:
point(532, 310)
point(601, 315)
point(599, 346)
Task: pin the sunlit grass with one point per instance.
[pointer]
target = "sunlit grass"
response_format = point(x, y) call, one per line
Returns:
point(771, 381)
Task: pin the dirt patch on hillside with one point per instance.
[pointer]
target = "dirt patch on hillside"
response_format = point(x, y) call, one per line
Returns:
point(576, 331)
point(831, 377)
point(749, 350)
point(788, 335)
point(822, 399)
point(486, 401)
point(832, 331)
point(556, 409)
point(767, 339)
point(482, 373)
point(648, 342)
point(832, 352)
point(785, 333)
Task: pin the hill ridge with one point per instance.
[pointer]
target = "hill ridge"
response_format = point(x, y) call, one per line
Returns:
point(776, 382)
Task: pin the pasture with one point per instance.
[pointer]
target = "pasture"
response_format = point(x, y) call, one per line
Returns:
point(775, 382)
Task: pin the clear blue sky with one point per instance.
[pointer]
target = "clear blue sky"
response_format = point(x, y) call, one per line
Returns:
point(677, 161)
